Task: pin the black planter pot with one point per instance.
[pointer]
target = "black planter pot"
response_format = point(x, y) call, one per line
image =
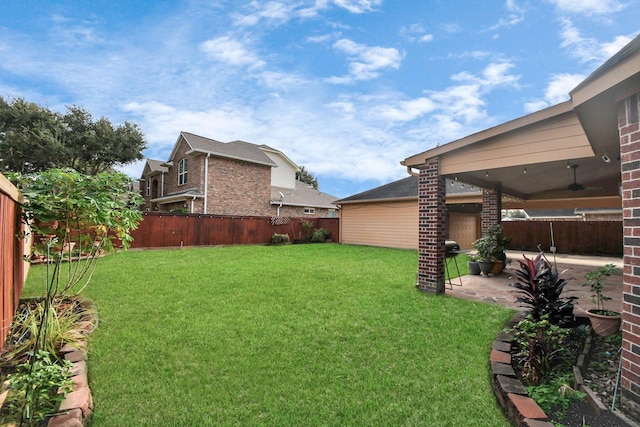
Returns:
point(485, 267)
point(474, 267)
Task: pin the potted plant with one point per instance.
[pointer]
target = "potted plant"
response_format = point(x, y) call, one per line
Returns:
point(473, 265)
point(490, 250)
point(604, 322)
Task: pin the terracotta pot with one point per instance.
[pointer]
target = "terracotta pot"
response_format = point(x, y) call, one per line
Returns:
point(604, 325)
point(497, 267)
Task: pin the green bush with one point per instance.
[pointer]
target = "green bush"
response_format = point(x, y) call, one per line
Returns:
point(36, 389)
point(279, 239)
point(320, 235)
point(540, 346)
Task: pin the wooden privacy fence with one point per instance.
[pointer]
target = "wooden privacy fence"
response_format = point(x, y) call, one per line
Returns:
point(570, 237)
point(13, 268)
point(158, 230)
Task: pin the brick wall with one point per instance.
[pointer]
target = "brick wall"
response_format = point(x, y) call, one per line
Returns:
point(491, 207)
point(299, 212)
point(628, 118)
point(195, 165)
point(238, 188)
point(432, 228)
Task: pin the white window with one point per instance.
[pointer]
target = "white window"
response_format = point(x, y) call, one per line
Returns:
point(148, 188)
point(182, 172)
point(309, 211)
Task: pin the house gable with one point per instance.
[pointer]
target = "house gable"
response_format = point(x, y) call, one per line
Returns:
point(284, 174)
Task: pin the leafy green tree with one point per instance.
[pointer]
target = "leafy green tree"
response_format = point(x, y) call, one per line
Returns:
point(34, 138)
point(305, 176)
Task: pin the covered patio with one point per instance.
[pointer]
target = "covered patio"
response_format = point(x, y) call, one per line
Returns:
point(582, 153)
point(496, 289)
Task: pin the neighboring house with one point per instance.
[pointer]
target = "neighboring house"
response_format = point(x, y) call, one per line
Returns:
point(388, 215)
point(233, 178)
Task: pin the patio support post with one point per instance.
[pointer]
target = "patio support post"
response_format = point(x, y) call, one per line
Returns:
point(629, 130)
point(432, 228)
point(491, 207)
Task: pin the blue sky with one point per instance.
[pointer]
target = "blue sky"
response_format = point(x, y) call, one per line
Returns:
point(347, 88)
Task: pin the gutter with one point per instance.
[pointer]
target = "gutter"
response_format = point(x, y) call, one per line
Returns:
point(206, 182)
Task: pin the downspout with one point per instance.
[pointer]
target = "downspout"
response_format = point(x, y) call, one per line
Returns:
point(193, 200)
point(162, 186)
point(206, 182)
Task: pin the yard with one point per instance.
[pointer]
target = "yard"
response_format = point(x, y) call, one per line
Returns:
point(284, 335)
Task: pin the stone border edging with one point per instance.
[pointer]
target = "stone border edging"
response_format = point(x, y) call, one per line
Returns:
point(512, 395)
point(77, 406)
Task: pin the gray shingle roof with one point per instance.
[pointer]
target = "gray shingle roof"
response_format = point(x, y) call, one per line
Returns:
point(156, 166)
point(303, 195)
point(238, 150)
point(406, 188)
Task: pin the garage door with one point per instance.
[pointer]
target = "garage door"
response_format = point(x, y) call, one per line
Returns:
point(463, 228)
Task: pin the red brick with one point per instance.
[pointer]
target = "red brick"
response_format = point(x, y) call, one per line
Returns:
point(500, 356)
point(79, 398)
point(527, 407)
point(72, 418)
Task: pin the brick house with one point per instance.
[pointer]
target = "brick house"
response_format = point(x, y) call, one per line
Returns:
point(233, 178)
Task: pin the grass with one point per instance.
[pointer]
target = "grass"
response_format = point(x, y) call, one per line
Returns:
point(323, 335)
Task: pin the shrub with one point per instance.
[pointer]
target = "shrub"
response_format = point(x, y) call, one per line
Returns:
point(36, 389)
point(307, 229)
point(50, 326)
point(279, 239)
point(540, 286)
point(540, 347)
point(320, 235)
point(63, 207)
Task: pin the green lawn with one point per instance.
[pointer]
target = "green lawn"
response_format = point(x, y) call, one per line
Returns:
point(293, 335)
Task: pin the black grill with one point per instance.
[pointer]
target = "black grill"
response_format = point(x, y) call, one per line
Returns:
point(451, 248)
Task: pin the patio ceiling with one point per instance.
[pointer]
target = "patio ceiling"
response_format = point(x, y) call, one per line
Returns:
point(534, 158)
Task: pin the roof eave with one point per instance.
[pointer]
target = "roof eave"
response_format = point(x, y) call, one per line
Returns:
point(510, 126)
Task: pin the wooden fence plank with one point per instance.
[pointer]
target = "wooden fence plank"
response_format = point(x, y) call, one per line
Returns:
point(13, 268)
point(158, 230)
point(570, 237)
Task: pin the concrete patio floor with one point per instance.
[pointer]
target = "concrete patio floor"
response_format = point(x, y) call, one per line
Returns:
point(496, 289)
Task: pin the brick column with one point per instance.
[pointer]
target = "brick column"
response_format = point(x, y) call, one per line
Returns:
point(628, 113)
point(432, 228)
point(491, 207)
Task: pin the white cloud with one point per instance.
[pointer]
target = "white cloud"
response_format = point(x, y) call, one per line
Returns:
point(515, 16)
point(231, 51)
point(611, 48)
point(358, 6)
point(416, 33)
point(494, 74)
point(366, 61)
point(557, 91)
point(276, 13)
point(405, 111)
point(273, 12)
point(588, 49)
point(589, 7)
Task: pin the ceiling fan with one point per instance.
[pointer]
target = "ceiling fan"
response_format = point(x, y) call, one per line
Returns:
point(575, 186)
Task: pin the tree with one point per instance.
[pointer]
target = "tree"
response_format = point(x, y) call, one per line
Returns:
point(305, 176)
point(34, 138)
